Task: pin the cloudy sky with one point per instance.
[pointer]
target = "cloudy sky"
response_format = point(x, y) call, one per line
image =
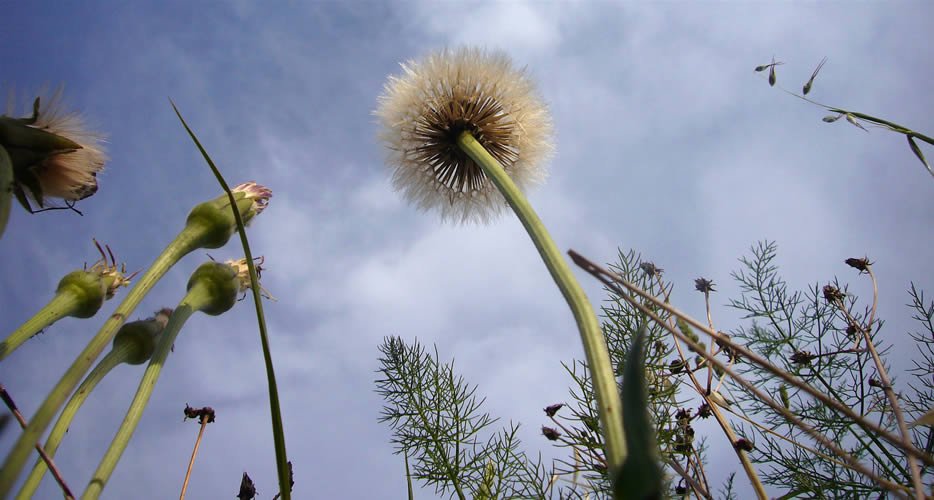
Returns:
point(667, 143)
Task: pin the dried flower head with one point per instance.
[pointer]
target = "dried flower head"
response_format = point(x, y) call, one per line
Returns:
point(833, 294)
point(704, 285)
point(243, 274)
point(423, 111)
point(67, 174)
point(553, 409)
point(650, 269)
point(550, 433)
point(862, 264)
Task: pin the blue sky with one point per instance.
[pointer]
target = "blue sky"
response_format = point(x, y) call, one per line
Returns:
point(667, 142)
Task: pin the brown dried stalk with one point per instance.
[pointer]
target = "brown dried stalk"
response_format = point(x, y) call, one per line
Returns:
point(45, 457)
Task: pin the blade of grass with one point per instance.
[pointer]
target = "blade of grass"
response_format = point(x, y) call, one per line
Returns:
point(275, 413)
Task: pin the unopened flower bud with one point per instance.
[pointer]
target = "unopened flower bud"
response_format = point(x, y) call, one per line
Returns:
point(215, 219)
point(220, 282)
point(142, 335)
point(550, 434)
point(88, 287)
point(553, 409)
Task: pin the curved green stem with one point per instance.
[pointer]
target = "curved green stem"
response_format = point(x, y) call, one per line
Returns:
point(598, 357)
point(188, 240)
point(63, 304)
point(113, 358)
point(198, 296)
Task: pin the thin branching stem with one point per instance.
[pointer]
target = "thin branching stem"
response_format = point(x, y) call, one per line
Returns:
point(611, 279)
point(887, 387)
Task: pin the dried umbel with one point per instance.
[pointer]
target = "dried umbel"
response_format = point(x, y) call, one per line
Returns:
point(54, 154)
point(423, 111)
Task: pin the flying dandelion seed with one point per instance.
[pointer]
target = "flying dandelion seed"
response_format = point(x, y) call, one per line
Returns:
point(423, 111)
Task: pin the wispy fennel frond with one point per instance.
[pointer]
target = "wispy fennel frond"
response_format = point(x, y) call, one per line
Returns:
point(438, 424)
point(815, 339)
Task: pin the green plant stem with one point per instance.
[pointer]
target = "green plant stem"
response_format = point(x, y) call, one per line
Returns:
point(63, 304)
point(198, 296)
point(188, 240)
point(283, 468)
point(598, 357)
point(113, 358)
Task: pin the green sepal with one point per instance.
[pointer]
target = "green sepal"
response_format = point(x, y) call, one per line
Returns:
point(640, 477)
point(6, 188)
point(220, 283)
point(89, 289)
point(143, 335)
point(13, 132)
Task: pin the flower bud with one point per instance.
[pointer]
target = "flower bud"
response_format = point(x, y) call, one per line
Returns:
point(220, 282)
point(142, 335)
point(215, 219)
point(89, 288)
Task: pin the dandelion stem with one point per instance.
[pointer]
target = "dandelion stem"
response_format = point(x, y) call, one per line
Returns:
point(108, 362)
point(62, 304)
point(598, 357)
point(198, 296)
point(188, 240)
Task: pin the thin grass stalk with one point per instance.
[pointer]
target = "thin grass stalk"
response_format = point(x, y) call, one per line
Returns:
point(278, 430)
point(598, 357)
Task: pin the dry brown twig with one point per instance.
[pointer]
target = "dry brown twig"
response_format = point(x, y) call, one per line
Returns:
point(45, 457)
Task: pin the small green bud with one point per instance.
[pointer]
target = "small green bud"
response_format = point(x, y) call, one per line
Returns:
point(90, 289)
point(143, 335)
point(783, 394)
point(220, 282)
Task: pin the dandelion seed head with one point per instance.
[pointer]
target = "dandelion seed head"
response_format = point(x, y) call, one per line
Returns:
point(423, 110)
point(68, 175)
